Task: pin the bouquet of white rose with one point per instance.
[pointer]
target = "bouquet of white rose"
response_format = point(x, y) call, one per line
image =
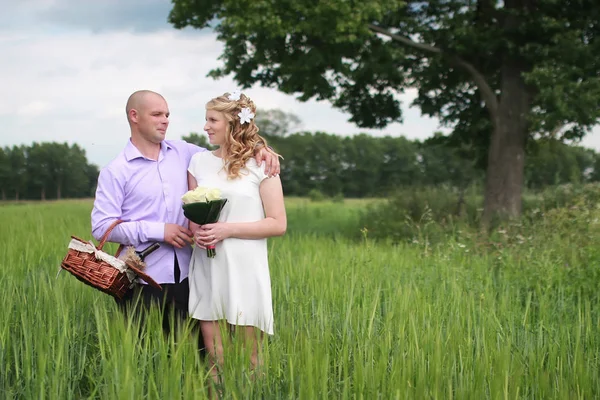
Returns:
point(203, 206)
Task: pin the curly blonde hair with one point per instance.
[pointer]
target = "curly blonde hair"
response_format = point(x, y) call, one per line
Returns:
point(241, 140)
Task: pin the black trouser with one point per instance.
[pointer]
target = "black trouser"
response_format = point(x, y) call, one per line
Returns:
point(172, 301)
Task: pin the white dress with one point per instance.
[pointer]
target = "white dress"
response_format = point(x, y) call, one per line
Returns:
point(235, 284)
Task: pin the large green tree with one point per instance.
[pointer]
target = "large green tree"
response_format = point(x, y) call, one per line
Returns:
point(504, 70)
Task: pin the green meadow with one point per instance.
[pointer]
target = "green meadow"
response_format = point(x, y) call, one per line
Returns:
point(512, 315)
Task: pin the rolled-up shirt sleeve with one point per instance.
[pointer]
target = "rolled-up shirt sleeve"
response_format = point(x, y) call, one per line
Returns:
point(110, 194)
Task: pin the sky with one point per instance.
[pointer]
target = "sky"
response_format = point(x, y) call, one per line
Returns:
point(68, 66)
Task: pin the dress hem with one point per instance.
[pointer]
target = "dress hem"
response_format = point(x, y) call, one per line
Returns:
point(232, 323)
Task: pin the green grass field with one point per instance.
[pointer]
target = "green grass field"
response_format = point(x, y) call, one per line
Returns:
point(514, 317)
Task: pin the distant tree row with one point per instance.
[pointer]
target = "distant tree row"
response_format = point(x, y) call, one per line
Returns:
point(355, 166)
point(46, 171)
point(364, 165)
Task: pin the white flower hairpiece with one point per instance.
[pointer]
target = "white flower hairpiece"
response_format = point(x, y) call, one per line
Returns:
point(235, 95)
point(245, 115)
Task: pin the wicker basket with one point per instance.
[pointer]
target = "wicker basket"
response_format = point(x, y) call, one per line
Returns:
point(94, 268)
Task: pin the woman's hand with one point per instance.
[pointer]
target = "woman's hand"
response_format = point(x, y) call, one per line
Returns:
point(211, 234)
point(195, 228)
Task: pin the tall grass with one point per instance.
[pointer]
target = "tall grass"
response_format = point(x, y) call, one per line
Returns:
point(353, 320)
point(326, 218)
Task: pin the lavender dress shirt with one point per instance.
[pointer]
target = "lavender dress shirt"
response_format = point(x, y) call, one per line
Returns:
point(146, 194)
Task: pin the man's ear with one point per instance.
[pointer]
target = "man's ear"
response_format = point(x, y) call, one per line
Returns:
point(133, 115)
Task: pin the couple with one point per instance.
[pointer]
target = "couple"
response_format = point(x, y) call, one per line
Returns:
point(143, 187)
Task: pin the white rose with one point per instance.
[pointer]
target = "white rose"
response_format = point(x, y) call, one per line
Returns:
point(201, 195)
point(213, 194)
point(195, 196)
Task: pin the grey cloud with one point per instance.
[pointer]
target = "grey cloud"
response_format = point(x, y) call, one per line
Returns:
point(108, 15)
point(97, 16)
point(57, 72)
point(15, 15)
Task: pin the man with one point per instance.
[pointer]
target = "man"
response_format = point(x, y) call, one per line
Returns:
point(143, 186)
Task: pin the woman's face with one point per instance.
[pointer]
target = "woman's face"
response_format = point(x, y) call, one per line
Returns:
point(215, 127)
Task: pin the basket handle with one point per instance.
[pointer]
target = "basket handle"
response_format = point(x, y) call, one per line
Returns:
point(108, 231)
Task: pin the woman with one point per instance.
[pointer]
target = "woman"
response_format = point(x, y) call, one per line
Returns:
point(235, 285)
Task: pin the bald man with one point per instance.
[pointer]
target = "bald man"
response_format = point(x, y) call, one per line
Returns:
point(143, 186)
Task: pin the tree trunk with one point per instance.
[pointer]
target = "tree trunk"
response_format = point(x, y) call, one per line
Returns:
point(58, 192)
point(43, 194)
point(3, 194)
point(506, 157)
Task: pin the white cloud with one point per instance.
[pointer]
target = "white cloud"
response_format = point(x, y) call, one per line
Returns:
point(33, 109)
point(72, 86)
point(592, 139)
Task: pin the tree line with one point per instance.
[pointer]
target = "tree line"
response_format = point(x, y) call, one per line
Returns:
point(46, 171)
point(369, 166)
point(353, 166)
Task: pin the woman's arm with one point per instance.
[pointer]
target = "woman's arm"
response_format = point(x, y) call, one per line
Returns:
point(274, 223)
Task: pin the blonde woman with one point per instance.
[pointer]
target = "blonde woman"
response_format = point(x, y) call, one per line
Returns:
point(234, 287)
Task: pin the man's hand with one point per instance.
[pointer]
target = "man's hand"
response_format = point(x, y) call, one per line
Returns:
point(271, 159)
point(177, 235)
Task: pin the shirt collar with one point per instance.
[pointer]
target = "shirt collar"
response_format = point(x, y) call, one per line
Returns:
point(132, 152)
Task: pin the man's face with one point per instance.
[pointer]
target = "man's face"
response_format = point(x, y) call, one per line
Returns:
point(152, 118)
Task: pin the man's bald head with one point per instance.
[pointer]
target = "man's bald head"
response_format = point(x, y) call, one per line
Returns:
point(138, 100)
point(148, 117)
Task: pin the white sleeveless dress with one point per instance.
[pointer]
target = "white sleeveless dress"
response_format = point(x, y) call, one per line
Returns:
point(234, 285)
